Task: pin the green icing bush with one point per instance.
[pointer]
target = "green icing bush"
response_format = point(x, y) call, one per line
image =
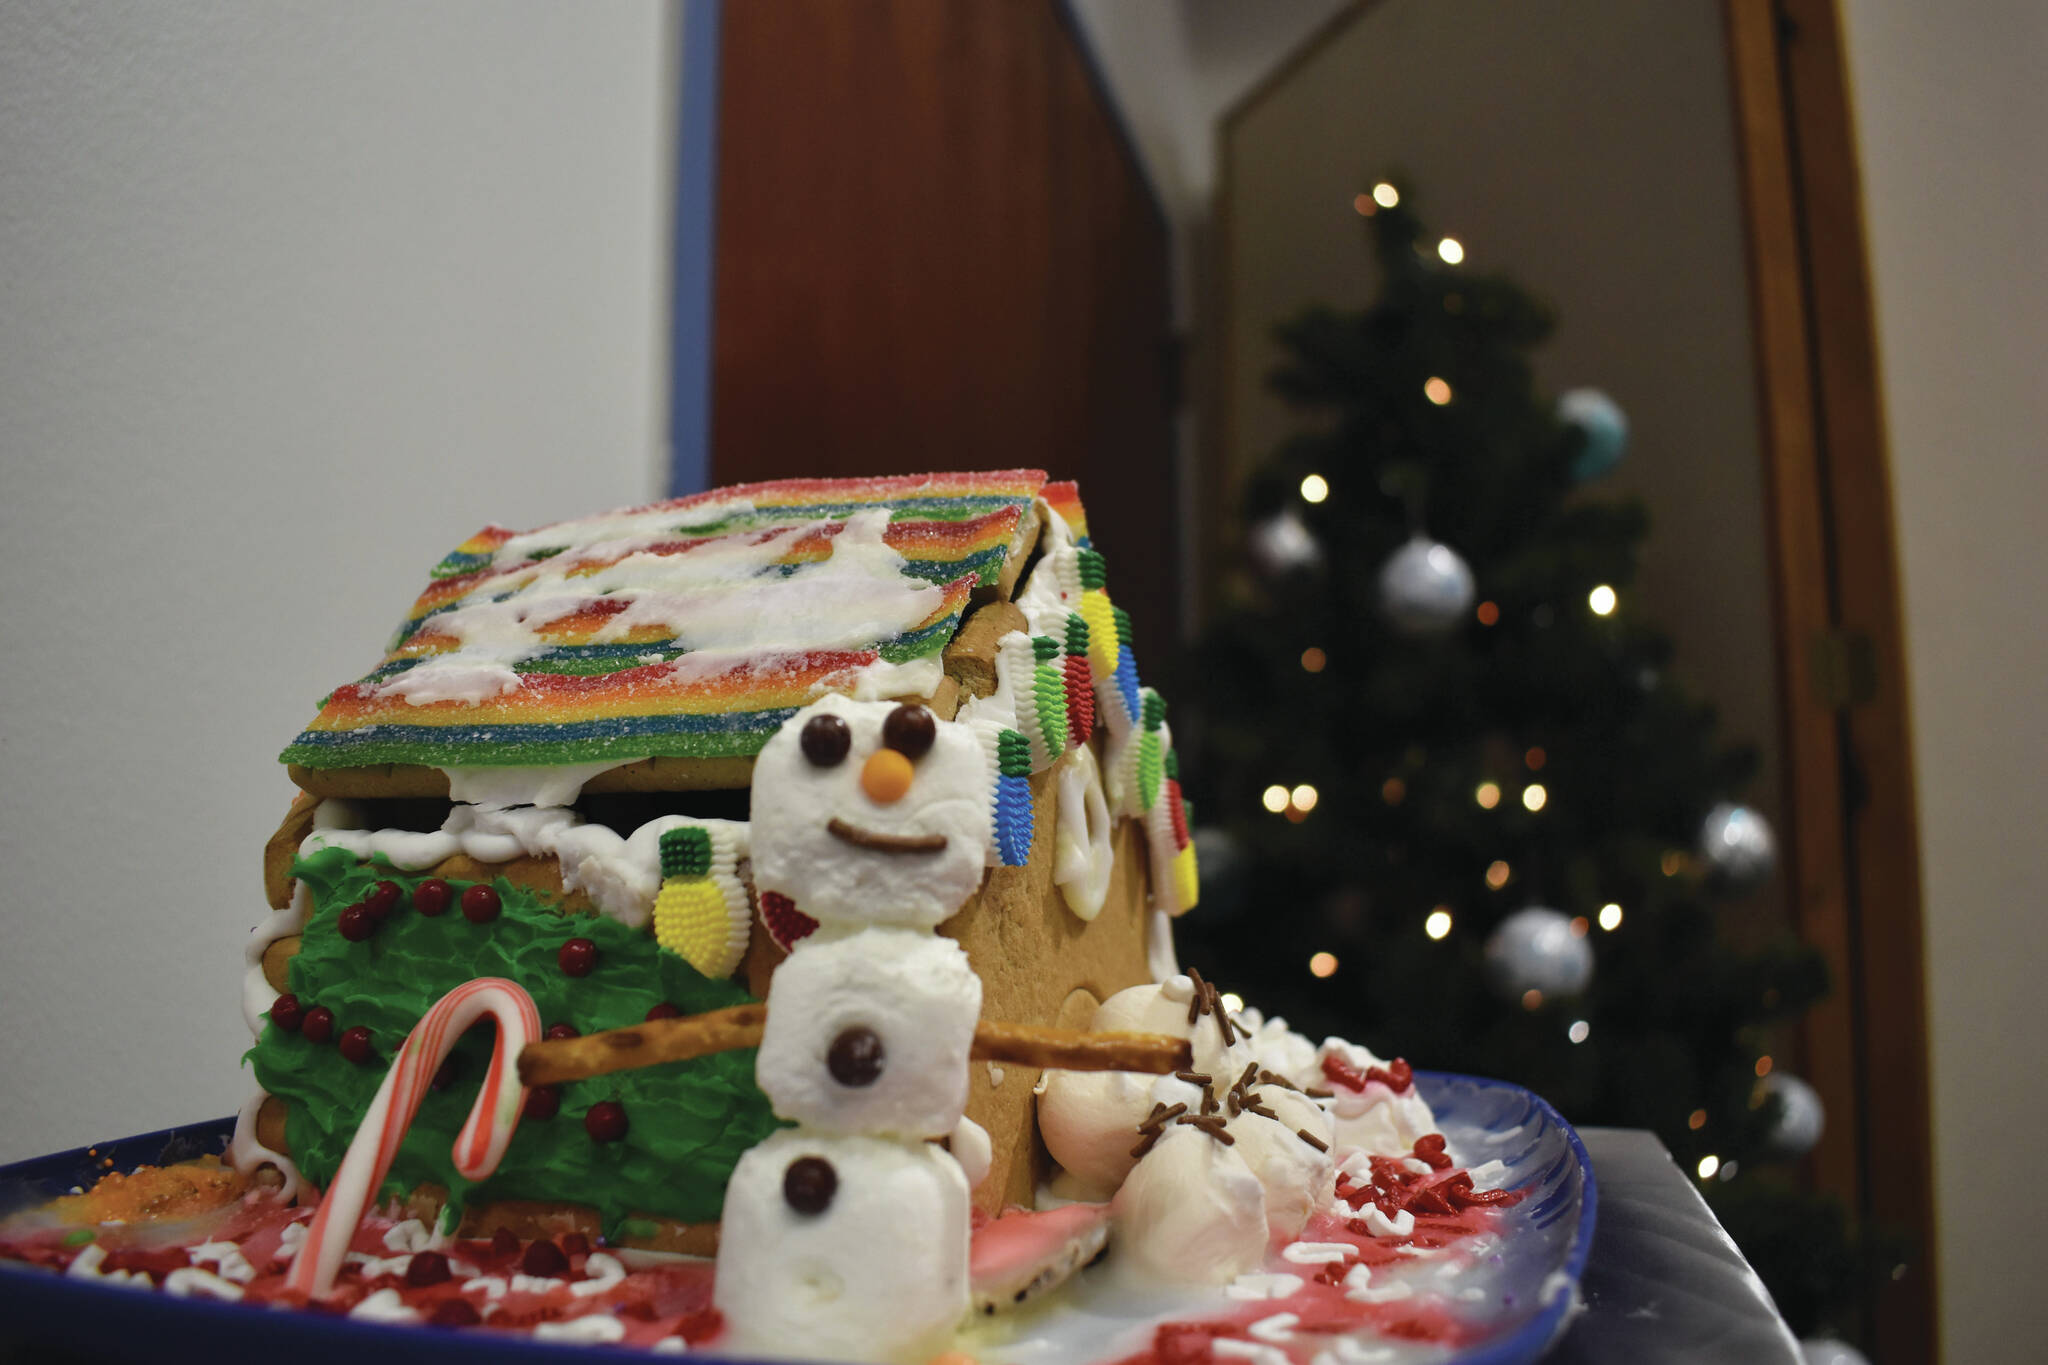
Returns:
point(688, 1121)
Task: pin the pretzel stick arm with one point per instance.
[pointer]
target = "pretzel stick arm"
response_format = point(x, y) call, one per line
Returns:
point(699, 1035)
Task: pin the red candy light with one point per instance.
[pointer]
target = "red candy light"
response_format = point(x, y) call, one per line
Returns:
point(664, 1010)
point(357, 923)
point(543, 1102)
point(577, 957)
point(355, 1044)
point(559, 1031)
point(433, 897)
point(382, 900)
point(287, 1013)
point(605, 1121)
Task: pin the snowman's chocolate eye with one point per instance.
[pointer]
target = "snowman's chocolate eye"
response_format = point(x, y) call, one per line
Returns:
point(809, 1184)
point(856, 1056)
point(825, 740)
point(910, 730)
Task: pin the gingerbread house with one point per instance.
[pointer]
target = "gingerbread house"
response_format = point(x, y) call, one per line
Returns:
point(548, 778)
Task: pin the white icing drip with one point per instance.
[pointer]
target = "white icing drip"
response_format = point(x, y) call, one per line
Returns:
point(539, 787)
point(246, 1154)
point(1160, 958)
point(718, 595)
point(1084, 834)
point(258, 995)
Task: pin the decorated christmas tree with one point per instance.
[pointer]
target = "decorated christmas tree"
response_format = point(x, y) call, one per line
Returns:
point(1457, 804)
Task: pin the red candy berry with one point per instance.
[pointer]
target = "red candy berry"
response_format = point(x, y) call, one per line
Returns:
point(432, 897)
point(543, 1102)
point(664, 1010)
point(575, 1244)
point(287, 1013)
point(382, 900)
point(504, 1242)
point(357, 923)
point(605, 1121)
point(355, 1044)
point(556, 1031)
point(480, 904)
point(318, 1025)
point(543, 1259)
point(577, 956)
point(454, 1312)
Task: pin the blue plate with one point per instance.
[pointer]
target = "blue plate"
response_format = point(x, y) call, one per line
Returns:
point(1528, 1283)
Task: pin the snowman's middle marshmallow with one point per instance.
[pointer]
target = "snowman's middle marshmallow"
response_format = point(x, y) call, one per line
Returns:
point(870, 1033)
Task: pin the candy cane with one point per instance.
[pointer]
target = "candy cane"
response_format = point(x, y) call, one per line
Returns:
point(478, 1147)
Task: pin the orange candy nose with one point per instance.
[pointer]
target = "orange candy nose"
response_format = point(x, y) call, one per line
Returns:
point(885, 777)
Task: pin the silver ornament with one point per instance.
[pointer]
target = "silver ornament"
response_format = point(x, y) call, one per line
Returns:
point(1282, 544)
point(1737, 847)
point(1801, 1118)
point(1535, 950)
point(1425, 588)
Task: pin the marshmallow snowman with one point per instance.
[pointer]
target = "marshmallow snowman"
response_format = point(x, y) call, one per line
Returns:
point(846, 1237)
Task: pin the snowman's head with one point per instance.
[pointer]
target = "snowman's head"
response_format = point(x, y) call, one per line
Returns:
point(870, 812)
point(870, 1034)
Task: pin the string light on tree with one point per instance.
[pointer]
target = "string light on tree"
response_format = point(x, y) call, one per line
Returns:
point(1322, 965)
point(1488, 795)
point(1314, 488)
point(1602, 600)
point(1610, 916)
point(1274, 799)
point(1385, 195)
point(1451, 250)
point(1437, 390)
point(1438, 924)
point(1534, 797)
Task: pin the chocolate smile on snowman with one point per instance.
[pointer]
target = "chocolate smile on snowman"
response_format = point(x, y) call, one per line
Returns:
point(872, 812)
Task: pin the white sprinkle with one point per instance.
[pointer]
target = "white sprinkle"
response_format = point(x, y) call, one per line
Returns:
point(1488, 1175)
point(1402, 1224)
point(1247, 1350)
point(232, 1265)
point(376, 1266)
point(384, 1306)
point(1358, 1165)
point(604, 1272)
point(1410, 1249)
point(536, 1284)
point(1358, 1287)
point(491, 1286)
point(1276, 1329)
point(1257, 1285)
point(670, 1346)
point(188, 1280)
point(1472, 1295)
point(995, 1074)
point(86, 1266)
point(1318, 1253)
point(1414, 1167)
point(413, 1235)
point(589, 1327)
point(290, 1240)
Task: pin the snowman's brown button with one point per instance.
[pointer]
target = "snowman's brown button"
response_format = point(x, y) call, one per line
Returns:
point(856, 1056)
point(809, 1184)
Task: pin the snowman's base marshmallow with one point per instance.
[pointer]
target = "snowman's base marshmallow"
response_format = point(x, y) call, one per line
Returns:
point(878, 1272)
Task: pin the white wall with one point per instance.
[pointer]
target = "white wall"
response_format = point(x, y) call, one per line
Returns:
point(293, 297)
point(1952, 121)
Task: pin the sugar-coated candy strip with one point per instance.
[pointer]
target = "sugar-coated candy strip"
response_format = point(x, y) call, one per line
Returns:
point(479, 1147)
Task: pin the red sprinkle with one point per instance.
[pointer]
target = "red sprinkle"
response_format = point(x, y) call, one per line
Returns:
point(480, 904)
point(432, 897)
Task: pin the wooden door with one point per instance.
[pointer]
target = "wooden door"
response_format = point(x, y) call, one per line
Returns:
point(935, 250)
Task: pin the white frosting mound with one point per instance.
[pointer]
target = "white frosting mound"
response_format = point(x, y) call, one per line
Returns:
point(1297, 1176)
point(880, 1274)
point(794, 802)
point(1089, 1119)
point(916, 993)
point(1191, 1212)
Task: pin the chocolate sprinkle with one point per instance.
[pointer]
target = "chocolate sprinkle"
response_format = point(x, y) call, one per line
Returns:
point(1312, 1140)
point(1200, 1002)
point(1193, 1077)
point(1211, 1124)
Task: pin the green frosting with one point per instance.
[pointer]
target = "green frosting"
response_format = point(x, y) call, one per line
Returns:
point(688, 1122)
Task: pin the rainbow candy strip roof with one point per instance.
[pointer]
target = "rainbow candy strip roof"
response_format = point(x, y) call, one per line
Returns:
point(687, 629)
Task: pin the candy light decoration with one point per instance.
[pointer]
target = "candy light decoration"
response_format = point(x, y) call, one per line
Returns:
point(479, 1147)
